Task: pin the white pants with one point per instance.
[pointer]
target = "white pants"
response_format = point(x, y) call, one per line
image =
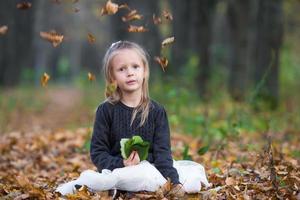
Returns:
point(141, 177)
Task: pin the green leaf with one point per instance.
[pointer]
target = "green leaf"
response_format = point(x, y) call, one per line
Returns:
point(185, 155)
point(203, 150)
point(135, 143)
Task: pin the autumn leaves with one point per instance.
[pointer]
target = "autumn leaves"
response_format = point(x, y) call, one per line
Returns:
point(109, 8)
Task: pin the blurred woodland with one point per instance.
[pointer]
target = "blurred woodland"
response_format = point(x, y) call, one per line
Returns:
point(225, 70)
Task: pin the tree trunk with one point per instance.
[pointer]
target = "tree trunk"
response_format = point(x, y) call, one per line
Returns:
point(268, 41)
point(200, 40)
point(239, 19)
point(181, 29)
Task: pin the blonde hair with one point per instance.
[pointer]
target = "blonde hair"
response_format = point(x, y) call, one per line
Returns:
point(116, 95)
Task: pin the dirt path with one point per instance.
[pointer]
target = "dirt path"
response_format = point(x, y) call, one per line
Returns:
point(60, 109)
point(62, 103)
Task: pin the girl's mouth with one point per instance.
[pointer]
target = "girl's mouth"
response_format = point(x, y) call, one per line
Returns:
point(131, 82)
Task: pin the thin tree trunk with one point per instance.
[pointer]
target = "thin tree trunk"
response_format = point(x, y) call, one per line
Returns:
point(201, 32)
point(268, 41)
point(239, 19)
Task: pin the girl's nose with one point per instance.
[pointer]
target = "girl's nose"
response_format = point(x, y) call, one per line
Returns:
point(130, 72)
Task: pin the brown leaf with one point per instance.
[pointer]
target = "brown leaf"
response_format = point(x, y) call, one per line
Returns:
point(163, 61)
point(137, 29)
point(52, 37)
point(91, 38)
point(110, 8)
point(76, 10)
point(56, 1)
point(3, 30)
point(132, 16)
point(44, 79)
point(167, 41)
point(24, 5)
point(167, 15)
point(22, 181)
point(156, 20)
point(91, 76)
point(230, 181)
point(124, 6)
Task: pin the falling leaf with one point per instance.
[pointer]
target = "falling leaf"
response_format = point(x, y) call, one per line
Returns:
point(167, 15)
point(156, 20)
point(76, 10)
point(124, 6)
point(110, 8)
point(167, 41)
point(137, 29)
point(91, 38)
point(91, 76)
point(24, 5)
point(110, 88)
point(3, 30)
point(44, 79)
point(56, 1)
point(52, 37)
point(132, 16)
point(163, 61)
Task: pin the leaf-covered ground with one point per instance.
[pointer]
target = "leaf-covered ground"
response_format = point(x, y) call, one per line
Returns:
point(38, 156)
point(32, 164)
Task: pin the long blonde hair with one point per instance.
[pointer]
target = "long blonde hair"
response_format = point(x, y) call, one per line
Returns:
point(116, 95)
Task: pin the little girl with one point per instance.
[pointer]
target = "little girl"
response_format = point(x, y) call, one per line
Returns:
point(129, 111)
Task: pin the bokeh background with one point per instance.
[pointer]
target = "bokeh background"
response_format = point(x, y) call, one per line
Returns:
point(233, 67)
point(230, 89)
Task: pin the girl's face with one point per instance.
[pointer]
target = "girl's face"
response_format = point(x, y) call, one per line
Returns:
point(128, 71)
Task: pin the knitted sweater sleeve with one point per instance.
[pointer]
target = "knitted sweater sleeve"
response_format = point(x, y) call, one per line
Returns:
point(100, 143)
point(162, 149)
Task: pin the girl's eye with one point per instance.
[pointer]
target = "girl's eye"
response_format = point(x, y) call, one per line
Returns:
point(121, 69)
point(136, 66)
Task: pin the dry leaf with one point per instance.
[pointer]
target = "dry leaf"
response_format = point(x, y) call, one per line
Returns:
point(91, 76)
point(132, 16)
point(44, 79)
point(56, 1)
point(76, 10)
point(91, 38)
point(3, 30)
point(52, 37)
point(167, 15)
point(24, 5)
point(110, 8)
point(167, 41)
point(137, 29)
point(230, 181)
point(163, 61)
point(124, 6)
point(110, 88)
point(156, 20)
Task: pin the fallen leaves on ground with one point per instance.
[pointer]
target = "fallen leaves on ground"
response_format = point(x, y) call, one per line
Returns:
point(33, 164)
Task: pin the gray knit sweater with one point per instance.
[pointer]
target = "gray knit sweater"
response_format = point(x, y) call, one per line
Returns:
point(112, 123)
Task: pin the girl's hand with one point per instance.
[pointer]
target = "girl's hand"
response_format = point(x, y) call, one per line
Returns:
point(133, 159)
